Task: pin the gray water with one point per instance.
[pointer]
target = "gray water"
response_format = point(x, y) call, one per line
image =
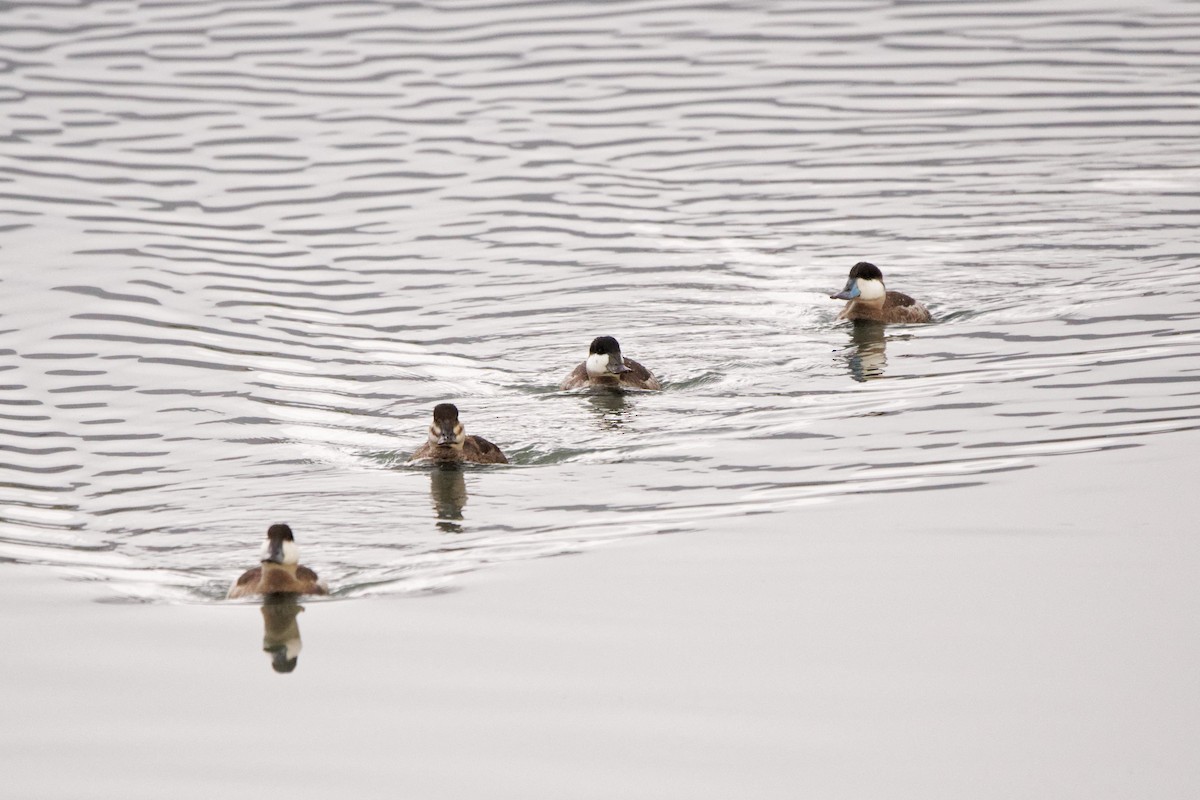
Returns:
point(246, 247)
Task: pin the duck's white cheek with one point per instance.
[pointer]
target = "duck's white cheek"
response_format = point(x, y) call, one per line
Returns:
point(597, 364)
point(291, 553)
point(870, 290)
point(265, 553)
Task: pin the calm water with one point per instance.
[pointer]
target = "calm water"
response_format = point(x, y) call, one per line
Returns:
point(246, 247)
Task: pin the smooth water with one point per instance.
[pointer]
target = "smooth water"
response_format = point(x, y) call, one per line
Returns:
point(246, 247)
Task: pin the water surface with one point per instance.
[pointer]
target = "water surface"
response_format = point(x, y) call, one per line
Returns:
point(245, 248)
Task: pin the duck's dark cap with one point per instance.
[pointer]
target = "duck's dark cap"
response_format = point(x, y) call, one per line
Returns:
point(866, 271)
point(445, 412)
point(605, 345)
point(280, 531)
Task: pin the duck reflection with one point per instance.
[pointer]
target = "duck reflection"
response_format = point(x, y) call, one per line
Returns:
point(611, 408)
point(281, 632)
point(448, 488)
point(867, 355)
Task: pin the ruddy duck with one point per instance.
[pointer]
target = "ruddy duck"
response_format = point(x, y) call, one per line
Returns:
point(605, 367)
point(870, 301)
point(449, 442)
point(280, 571)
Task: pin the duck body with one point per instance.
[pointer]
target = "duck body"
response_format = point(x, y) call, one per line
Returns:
point(475, 450)
point(280, 572)
point(449, 443)
point(870, 301)
point(606, 368)
point(273, 579)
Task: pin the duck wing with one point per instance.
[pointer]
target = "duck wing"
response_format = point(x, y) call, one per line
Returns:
point(639, 376)
point(244, 585)
point(485, 452)
point(577, 378)
point(309, 578)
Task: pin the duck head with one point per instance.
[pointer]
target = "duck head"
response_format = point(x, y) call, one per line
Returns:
point(280, 547)
point(865, 283)
point(604, 358)
point(446, 431)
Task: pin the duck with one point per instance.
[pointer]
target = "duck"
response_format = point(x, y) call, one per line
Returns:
point(870, 301)
point(605, 367)
point(449, 442)
point(280, 572)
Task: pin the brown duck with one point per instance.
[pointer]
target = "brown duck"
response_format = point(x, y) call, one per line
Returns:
point(870, 301)
point(280, 571)
point(449, 442)
point(605, 367)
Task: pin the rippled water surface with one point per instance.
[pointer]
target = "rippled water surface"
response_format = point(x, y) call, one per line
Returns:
point(246, 247)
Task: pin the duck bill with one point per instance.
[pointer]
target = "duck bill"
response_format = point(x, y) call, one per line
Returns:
point(447, 437)
point(274, 554)
point(616, 365)
point(849, 293)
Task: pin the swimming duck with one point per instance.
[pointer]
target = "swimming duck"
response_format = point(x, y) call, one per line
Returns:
point(448, 442)
point(871, 301)
point(606, 367)
point(280, 571)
